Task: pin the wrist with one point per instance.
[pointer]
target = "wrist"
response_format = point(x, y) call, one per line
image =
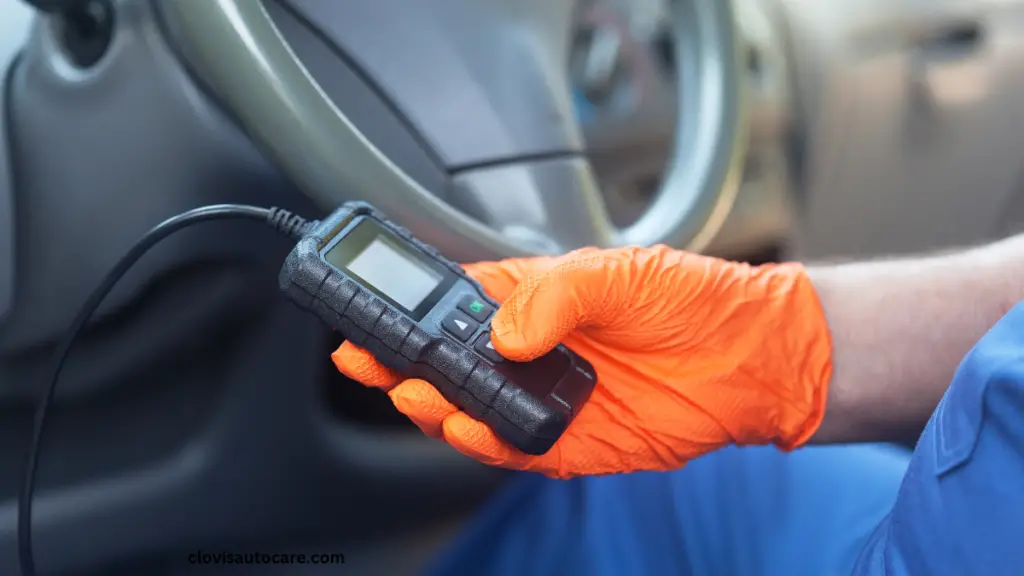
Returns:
point(901, 327)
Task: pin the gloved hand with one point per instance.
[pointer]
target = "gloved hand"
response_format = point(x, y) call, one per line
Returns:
point(692, 353)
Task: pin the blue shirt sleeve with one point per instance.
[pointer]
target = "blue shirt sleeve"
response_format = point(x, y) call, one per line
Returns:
point(960, 509)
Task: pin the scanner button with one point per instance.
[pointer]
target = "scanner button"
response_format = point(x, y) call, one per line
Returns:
point(486, 348)
point(476, 308)
point(459, 325)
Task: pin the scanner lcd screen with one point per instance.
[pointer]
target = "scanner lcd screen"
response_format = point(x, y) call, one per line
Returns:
point(392, 273)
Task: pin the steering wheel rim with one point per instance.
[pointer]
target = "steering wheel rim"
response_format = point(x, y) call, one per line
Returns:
point(238, 51)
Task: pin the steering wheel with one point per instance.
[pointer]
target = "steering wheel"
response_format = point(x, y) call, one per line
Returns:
point(486, 82)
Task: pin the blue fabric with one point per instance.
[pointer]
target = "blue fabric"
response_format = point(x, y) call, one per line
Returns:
point(958, 509)
point(743, 512)
point(961, 507)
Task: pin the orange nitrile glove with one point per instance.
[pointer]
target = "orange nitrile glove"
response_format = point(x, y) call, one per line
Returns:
point(692, 353)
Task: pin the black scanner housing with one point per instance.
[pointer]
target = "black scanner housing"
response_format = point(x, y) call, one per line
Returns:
point(528, 404)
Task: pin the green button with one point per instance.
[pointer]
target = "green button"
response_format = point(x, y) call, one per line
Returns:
point(476, 306)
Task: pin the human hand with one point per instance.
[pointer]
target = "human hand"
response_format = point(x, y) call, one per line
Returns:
point(692, 353)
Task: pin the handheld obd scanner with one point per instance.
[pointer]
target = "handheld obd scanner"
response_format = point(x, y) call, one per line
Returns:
point(421, 315)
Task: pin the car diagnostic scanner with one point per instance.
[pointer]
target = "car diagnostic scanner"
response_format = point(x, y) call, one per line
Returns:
point(421, 315)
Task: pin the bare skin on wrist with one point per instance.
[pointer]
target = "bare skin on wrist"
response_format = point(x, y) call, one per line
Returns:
point(900, 328)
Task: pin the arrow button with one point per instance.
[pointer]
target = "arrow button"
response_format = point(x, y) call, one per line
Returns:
point(459, 325)
point(486, 349)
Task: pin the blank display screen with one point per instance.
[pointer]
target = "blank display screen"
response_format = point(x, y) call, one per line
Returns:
point(394, 274)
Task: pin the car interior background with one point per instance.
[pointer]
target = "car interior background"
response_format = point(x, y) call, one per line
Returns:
point(200, 411)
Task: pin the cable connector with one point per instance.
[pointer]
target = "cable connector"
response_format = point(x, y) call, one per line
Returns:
point(289, 223)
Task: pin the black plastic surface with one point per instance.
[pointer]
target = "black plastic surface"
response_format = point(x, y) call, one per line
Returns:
point(528, 404)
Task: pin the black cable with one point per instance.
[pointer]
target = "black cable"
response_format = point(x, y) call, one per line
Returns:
point(281, 220)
